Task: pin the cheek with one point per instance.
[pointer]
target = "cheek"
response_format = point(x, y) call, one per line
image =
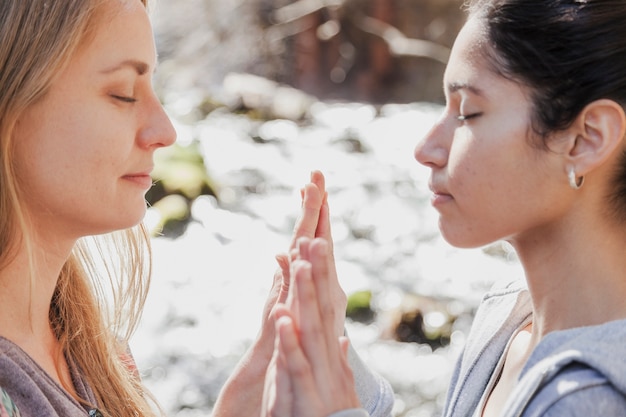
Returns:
point(485, 180)
point(466, 164)
point(53, 156)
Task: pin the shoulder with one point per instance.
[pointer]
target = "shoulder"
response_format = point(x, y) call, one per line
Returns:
point(578, 391)
point(7, 406)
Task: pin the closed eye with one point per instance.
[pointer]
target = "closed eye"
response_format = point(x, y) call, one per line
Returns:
point(125, 99)
point(464, 117)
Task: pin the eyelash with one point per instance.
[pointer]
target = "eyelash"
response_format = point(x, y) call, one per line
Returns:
point(463, 118)
point(124, 98)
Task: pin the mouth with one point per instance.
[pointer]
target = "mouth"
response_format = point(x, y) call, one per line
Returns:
point(141, 179)
point(438, 199)
point(439, 195)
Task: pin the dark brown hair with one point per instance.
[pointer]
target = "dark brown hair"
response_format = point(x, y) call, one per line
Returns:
point(568, 53)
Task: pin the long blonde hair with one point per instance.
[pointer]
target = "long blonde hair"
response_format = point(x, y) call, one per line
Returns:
point(102, 287)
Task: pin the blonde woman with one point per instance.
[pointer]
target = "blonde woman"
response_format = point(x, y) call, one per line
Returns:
point(79, 124)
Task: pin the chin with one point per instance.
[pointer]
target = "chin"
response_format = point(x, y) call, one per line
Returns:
point(463, 244)
point(129, 219)
point(135, 220)
point(463, 240)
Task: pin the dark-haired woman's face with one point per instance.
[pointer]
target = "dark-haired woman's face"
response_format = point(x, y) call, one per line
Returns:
point(488, 182)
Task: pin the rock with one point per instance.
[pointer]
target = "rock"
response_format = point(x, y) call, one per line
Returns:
point(423, 319)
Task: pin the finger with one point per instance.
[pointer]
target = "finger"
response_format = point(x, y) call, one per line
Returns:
point(323, 224)
point(313, 201)
point(344, 343)
point(306, 225)
point(294, 254)
point(331, 296)
point(302, 247)
point(299, 369)
point(321, 264)
point(270, 393)
point(310, 326)
point(337, 295)
point(344, 346)
point(292, 299)
point(284, 275)
point(301, 251)
point(318, 179)
point(283, 401)
point(277, 401)
point(348, 385)
point(278, 292)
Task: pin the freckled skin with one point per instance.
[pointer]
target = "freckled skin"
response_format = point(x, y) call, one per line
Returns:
point(84, 152)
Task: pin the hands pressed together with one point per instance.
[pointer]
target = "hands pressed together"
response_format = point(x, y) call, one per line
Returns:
point(298, 365)
point(309, 375)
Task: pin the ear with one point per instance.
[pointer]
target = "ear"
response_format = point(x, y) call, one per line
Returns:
point(599, 129)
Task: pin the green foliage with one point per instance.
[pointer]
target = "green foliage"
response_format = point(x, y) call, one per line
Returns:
point(179, 177)
point(174, 213)
point(180, 170)
point(359, 306)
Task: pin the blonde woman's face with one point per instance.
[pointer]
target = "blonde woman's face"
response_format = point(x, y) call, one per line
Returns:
point(84, 152)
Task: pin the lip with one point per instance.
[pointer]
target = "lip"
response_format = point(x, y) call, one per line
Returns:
point(142, 179)
point(439, 196)
point(438, 199)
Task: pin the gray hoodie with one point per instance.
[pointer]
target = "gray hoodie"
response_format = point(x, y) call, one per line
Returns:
point(575, 372)
point(579, 372)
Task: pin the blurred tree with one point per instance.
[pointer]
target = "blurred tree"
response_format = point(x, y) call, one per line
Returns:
point(367, 50)
point(362, 50)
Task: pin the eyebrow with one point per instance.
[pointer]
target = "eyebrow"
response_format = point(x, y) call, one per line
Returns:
point(454, 87)
point(139, 66)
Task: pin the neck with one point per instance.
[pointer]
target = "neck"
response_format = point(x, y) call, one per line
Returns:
point(27, 284)
point(574, 274)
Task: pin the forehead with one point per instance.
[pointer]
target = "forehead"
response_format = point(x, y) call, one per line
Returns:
point(471, 67)
point(124, 32)
point(468, 63)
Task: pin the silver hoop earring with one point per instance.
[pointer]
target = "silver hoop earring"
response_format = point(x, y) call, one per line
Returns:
point(574, 182)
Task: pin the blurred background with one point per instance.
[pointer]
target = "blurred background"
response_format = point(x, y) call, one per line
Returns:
point(261, 92)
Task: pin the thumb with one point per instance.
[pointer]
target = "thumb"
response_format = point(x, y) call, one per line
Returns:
point(283, 264)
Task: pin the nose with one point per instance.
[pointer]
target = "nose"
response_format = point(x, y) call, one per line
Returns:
point(432, 149)
point(157, 131)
